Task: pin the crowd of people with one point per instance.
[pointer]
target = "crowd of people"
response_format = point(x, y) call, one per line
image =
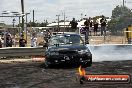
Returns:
point(7, 40)
point(89, 26)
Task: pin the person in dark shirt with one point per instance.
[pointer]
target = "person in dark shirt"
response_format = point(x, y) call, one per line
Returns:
point(73, 24)
point(86, 24)
point(9, 41)
point(90, 28)
point(22, 41)
point(0, 42)
point(95, 28)
point(103, 26)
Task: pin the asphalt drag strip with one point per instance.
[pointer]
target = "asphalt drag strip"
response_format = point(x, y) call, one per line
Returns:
point(33, 75)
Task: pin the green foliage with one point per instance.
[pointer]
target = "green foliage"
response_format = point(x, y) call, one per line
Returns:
point(120, 11)
point(121, 18)
point(2, 24)
point(97, 17)
point(31, 24)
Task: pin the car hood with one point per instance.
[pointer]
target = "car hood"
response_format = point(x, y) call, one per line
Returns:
point(67, 47)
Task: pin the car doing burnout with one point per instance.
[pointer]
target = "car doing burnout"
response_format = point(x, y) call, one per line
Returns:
point(67, 49)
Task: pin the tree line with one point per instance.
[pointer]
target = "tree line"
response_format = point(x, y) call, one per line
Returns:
point(120, 19)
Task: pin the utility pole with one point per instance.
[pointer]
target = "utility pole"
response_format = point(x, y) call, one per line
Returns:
point(81, 16)
point(33, 19)
point(19, 27)
point(58, 21)
point(64, 20)
point(22, 6)
point(123, 3)
point(13, 22)
point(26, 24)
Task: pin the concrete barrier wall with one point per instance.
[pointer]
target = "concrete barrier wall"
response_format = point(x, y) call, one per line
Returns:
point(22, 51)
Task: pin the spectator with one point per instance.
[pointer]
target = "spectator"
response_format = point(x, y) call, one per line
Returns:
point(47, 36)
point(86, 24)
point(128, 34)
point(73, 24)
point(9, 41)
point(103, 26)
point(14, 41)
point(95, 28)
point(90, 27)
point(22, 41)
point(0, 42)
point(33, 40)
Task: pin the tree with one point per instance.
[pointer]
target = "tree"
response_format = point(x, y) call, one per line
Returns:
point(31, 24)
point(96, 17)
point(120, 11)
point(121, 18)
point(1, 24)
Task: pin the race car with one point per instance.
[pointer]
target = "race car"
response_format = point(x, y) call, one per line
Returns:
point(67, 49)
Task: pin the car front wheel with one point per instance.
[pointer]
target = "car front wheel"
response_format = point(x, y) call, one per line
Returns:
point(87, 64)
point(46, 64)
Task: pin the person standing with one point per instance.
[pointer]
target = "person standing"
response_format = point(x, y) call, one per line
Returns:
point(103, 26)
point(74, 24)
point(95, 28)
point(90, 28)
point(22, 41)
point(128, 34)
point(33, 41)
point(9, 41)
point(86, 24)
point(1, 42)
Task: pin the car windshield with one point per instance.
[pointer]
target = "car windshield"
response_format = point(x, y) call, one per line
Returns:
point(65, 39)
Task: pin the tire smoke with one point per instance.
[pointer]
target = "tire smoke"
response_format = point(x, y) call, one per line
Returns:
point(110, 52)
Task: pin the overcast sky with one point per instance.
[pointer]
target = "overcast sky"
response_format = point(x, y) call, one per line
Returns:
point(48, 9)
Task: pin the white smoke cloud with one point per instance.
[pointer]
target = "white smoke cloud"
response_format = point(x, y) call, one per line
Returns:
point(111, 52)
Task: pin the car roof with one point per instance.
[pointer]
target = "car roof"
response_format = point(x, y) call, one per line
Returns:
point(70, 34)
point(67, 35)
point(63, 33)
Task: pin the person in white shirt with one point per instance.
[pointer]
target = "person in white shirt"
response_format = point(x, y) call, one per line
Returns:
point(33, 41)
